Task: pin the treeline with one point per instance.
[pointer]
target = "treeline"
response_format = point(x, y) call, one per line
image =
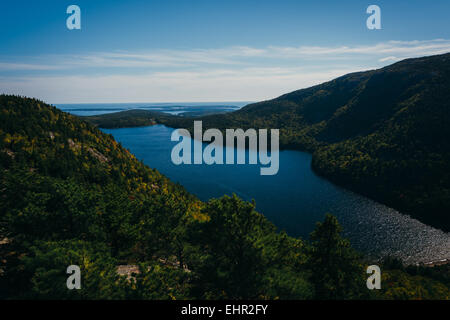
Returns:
point(125, 119)
point(72, 195)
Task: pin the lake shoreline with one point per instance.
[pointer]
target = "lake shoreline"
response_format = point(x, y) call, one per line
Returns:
point(370, 217)
point(346, 185)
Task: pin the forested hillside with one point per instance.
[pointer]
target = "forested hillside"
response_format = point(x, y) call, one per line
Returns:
point(383, 133)
point(72, 195)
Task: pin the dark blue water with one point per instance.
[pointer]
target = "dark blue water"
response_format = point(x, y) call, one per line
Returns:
point(178, 108)
point(294, 199)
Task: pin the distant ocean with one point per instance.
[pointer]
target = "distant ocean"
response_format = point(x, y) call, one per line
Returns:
point(175, 108)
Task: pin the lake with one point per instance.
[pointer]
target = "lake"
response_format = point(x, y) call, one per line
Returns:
point(295, 198)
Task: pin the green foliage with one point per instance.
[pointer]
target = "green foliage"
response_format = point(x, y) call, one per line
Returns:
point(337, 272)
point(401, 285)
point(71, 195)
point(239, 255)
point(156, 282)
point(47, 278)
point(129, 118)
point(71, 189)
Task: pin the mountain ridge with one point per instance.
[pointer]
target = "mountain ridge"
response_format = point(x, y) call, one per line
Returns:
point(382, 133)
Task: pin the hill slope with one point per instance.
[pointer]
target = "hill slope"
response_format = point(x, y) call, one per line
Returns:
point(384, 133)
point(71, 195)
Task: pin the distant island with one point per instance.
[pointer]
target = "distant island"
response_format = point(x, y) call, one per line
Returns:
point(142, 117)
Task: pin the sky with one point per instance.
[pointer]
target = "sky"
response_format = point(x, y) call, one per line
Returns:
point(204, 51)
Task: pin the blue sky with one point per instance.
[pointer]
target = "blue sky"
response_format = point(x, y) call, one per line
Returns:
point(169, 51)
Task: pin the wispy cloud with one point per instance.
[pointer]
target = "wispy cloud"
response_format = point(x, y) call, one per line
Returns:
point(237, 56)
point(213, 85)
point(389, 59)
point(231, 73)
point(26, 66)
point(400, 48)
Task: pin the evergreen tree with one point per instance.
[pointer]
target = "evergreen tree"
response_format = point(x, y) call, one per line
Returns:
point(336, 271)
